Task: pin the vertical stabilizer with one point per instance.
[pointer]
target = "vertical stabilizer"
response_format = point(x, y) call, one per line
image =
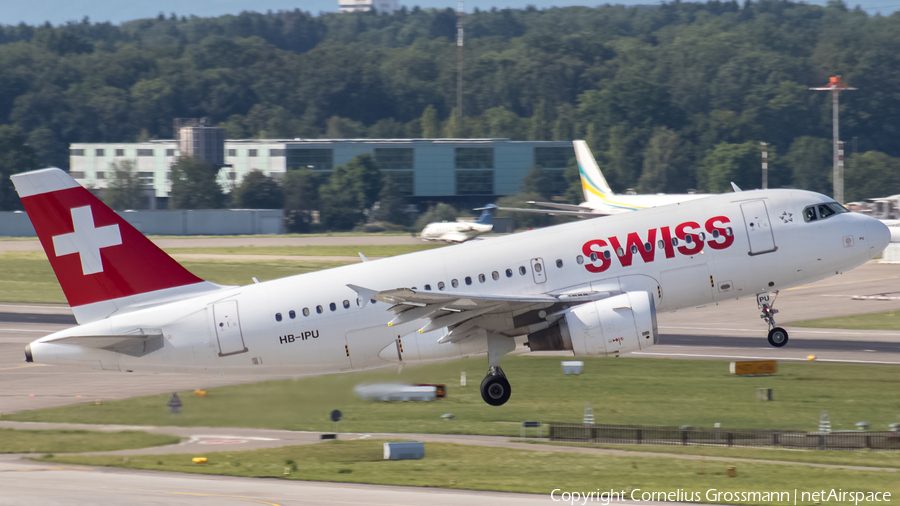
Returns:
point(103, 264)
point(593, 184)
point(487, 214)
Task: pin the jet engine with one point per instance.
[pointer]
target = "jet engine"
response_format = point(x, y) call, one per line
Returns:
point(610, 326)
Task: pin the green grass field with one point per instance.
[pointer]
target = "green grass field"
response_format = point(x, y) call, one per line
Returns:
point(621, 391)
point(864, 458)
point(483, 468)
point(71, 441)
point(28, 277)
point(386, 250)
point(868, 321)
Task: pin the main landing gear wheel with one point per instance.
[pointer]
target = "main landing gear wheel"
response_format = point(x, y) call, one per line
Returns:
point(495, 389)
point(778, 337)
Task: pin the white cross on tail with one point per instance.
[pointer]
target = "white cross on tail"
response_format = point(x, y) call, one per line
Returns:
point(87, 240)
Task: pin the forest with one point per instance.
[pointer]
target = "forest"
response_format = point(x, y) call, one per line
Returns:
point(670, 97)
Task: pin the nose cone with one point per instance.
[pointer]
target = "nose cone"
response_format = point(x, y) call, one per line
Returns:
point(879, 236)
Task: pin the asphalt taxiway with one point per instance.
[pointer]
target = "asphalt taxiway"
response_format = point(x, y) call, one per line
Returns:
point(38, 484)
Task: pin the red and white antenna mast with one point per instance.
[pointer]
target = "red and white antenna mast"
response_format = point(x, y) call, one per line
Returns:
point(835, 86)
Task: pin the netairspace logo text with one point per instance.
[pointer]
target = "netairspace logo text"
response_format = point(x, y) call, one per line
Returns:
point(715, 495)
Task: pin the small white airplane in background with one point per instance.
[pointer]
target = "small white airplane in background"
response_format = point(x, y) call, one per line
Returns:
point(591, 287)
point(886, 209)
point(599, 199)
point(460, 231)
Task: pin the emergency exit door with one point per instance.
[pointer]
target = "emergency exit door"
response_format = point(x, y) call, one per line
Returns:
point(538, 270)
point(759, 229)
point(228, 328)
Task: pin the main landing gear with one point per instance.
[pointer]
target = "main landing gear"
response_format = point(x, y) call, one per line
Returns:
point(778, 337)
point(495, 389)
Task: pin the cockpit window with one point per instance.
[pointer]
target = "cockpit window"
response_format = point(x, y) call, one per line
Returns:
point(825, 211)
point(809, 213)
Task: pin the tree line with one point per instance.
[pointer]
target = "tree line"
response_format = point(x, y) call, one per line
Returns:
point(669, 97)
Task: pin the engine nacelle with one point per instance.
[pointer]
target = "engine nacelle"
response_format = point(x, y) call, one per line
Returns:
point(610, 326)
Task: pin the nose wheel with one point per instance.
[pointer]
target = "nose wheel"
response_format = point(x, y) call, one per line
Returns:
point(778, 337)
point(495, 389)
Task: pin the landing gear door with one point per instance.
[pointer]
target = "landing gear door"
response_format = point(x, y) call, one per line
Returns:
point(539, 270)
point(228, 328)
point(759, 230)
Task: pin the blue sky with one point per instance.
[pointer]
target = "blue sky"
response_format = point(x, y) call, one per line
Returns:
point(117, 11)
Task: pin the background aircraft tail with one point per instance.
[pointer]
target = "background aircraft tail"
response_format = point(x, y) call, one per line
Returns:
point(103, 264)
point(487, 214)
point(593, 184)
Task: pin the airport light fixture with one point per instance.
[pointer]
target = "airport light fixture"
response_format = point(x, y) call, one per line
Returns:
point(835, 86)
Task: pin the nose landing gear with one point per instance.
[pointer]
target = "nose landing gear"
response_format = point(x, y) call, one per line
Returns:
point(777, 337)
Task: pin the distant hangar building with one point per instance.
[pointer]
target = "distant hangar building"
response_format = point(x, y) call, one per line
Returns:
point(459, 171)
point(380, 6)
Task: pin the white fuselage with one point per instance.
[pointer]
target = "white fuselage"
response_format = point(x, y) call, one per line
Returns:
point(264, 327)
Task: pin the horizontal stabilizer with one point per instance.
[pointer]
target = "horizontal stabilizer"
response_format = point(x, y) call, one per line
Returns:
point(134, 345)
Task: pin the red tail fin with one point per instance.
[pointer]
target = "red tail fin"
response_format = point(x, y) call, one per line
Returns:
point(103, 263)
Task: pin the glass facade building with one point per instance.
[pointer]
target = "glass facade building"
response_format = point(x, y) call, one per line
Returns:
point(423, 169)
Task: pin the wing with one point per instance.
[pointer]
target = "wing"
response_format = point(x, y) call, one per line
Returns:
point(468, 315)
point(558, 210)
point(564, 207)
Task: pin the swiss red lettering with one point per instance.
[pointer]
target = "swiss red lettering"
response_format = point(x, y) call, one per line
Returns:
point(724, 240)
point(595, 247)
point(696, 243)
point(634, 242)
point(689, 235)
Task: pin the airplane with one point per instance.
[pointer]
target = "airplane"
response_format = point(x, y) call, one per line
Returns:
point(460, 231)
point(592, 288)
point(599, 199)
